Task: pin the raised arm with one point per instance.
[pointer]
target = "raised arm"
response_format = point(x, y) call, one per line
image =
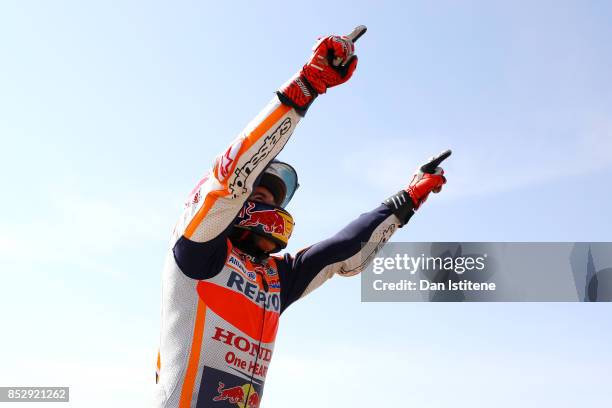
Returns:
point(200, 235)
point(219, 196)
point(344, 253)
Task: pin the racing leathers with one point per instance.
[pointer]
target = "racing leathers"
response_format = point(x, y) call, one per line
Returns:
point(221, 306)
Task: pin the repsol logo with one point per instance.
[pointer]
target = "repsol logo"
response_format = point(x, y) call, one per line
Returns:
point(238, 185)
point(270, 301)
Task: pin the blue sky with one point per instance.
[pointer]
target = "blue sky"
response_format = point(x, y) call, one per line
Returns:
point(111, 111)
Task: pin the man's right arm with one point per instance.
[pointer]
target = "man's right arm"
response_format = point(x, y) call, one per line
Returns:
point(200, 236)
point(201, 232)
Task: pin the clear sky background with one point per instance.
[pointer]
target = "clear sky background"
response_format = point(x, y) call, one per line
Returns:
point(110, 111)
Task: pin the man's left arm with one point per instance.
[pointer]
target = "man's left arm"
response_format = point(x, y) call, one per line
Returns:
point(343, 254)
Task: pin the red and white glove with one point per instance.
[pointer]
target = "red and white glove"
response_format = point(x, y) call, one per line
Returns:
point(332, 63)
point(429, 178)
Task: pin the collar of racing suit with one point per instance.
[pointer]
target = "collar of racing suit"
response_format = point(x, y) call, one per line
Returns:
point(245, 242)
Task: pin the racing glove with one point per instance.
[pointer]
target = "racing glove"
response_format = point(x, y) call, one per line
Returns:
point(332, 63)
point(429, 178)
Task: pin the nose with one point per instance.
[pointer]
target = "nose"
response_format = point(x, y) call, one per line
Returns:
point(261, 194)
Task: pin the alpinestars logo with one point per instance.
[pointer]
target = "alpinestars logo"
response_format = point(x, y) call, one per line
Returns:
point(238, 185)
point(384, 237)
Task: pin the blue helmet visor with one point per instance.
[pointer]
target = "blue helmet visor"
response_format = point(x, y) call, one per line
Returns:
point(282, 180)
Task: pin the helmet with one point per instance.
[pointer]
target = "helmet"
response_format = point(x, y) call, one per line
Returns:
point(269, 221)
point(282, 181)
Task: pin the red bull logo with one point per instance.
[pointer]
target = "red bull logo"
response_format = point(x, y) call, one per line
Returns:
point(253, 401)
point(271, 221)
point(237, 395)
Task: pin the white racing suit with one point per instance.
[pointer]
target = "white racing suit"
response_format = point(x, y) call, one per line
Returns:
point(220, 307)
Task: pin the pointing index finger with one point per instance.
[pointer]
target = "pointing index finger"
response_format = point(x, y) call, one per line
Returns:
point(353, 36)
point(357, 33)
point(430, 167)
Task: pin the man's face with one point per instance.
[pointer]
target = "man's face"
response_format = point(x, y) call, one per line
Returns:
point(262, 195)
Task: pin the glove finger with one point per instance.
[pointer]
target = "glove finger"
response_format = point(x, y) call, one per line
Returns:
point(439, 187)
point(350, 45)
point(346, 71)
point(340, 50)
point(340, 46)
point(320, 43)
point(438, 171)
point(356, 34)
point(435, 161)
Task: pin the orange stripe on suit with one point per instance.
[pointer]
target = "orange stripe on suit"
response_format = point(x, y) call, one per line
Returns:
point(194, 356)
point(253, 137)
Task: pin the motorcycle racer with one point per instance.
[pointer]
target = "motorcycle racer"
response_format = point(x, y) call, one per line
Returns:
point(223, 290)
